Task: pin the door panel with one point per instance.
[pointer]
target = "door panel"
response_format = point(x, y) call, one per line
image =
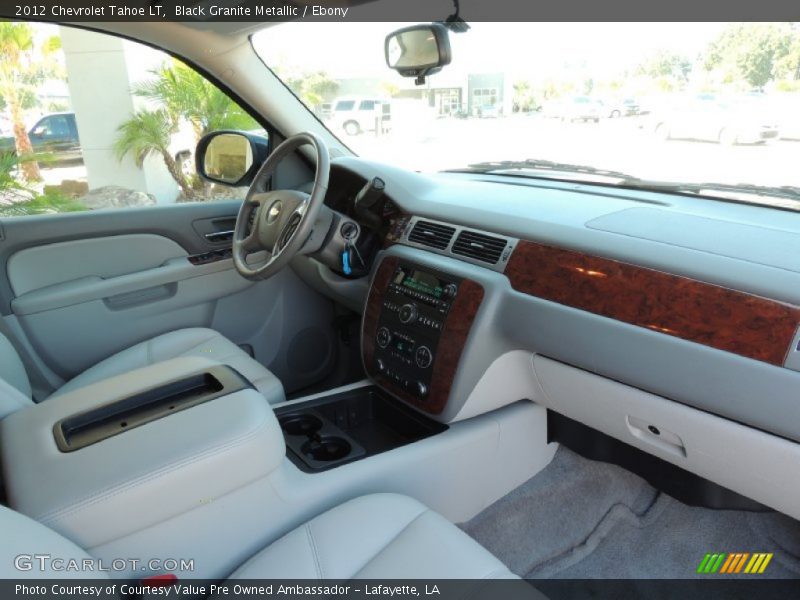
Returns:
point(140, 287)
point(88, 285)
point(173, 222)
point(105, 257)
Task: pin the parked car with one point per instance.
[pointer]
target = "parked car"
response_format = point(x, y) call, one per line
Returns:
point(706, 117)
point(575, 108)
point(784, 108)
point(55, 135)
point(357, 115)
point(626, 107)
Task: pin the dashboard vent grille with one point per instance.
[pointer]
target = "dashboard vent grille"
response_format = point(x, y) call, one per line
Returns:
point(479, 246)
point(431, 234)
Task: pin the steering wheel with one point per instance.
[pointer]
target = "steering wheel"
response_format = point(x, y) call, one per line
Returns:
point(278, 221)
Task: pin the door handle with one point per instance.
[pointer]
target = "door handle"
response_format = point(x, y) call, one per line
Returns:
point(219, 236)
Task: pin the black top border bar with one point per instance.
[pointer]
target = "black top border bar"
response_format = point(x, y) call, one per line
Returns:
point(200, 11)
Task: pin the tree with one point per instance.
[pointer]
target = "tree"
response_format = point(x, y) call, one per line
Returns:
point(17, 199)
point(387, 88)
point(186, 94)
point(669, 70)
point(313, 88)
point(22, 68)
point(788, 65)
point(524, 99)
point(148, 133)
point(751, 52)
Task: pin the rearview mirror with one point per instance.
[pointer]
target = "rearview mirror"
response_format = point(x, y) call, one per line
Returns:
point(230, 157)
point(418, 51)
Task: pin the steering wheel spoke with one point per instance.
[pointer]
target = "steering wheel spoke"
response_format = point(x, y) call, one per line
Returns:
point(278, 221)
point(249, 244)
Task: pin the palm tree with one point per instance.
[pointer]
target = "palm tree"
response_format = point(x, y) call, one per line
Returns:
point(186, 94)
point(148, 133)
point(16, 46)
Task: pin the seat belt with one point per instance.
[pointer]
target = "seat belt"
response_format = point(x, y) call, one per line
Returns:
point(40, 386)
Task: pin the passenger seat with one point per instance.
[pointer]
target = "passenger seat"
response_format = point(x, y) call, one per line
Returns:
point(380, 536)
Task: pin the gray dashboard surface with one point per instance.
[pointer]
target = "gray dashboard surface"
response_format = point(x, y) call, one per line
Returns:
point(557, 213)
point(763, 245)
point(744, 247)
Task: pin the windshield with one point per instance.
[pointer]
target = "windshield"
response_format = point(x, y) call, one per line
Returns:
point(684, 103)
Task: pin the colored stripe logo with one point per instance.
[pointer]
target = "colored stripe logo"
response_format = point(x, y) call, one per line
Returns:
point(734, 562)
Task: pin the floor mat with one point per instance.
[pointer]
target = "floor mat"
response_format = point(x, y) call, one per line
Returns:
point(580, 519)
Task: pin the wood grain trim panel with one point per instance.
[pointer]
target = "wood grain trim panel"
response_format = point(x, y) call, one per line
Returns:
point(456, 328)
point(725, 319)
point(372, 312)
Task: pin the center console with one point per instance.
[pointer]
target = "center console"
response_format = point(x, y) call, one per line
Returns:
point(416, 323)
point(338, 428)
point(121, 455)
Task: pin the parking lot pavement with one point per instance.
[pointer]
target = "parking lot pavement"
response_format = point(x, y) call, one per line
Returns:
point(615, 144)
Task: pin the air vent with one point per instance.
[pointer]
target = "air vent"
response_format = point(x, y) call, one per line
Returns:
point(481, 247)
point(431, 234)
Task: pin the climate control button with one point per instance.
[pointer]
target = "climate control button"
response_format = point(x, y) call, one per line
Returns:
point(423, 357)
point(408, 313)
point(383, 337)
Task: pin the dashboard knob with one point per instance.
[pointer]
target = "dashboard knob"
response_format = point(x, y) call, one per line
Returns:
point(449, 291)
point(423, 357)
point(420, 389)
point(380, 365)
point(408, 313)
point(383, 337)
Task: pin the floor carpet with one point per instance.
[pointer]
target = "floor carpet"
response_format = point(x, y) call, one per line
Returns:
point(581, 519)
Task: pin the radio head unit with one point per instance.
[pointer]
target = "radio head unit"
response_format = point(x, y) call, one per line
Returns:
point(415, 325)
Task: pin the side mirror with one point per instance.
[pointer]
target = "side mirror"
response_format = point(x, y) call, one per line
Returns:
point(418, 51)
point(230, 157)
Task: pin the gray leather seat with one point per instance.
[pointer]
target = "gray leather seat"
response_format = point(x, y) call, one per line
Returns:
point(23, 535)
point(380, 536)
point(195, 341)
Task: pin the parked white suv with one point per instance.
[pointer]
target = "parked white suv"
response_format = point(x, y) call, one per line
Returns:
point(357, 115)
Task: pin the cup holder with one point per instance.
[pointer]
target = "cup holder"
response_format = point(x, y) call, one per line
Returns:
point(316, 441)
point(327, 448)
point(302, 424)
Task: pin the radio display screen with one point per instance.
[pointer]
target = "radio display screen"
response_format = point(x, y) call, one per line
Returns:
point(420, 281)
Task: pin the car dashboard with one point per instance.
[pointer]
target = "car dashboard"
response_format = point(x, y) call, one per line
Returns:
point(639, 314)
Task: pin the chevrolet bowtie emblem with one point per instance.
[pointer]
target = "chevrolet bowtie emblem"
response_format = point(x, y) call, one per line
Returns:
point(274, 211)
